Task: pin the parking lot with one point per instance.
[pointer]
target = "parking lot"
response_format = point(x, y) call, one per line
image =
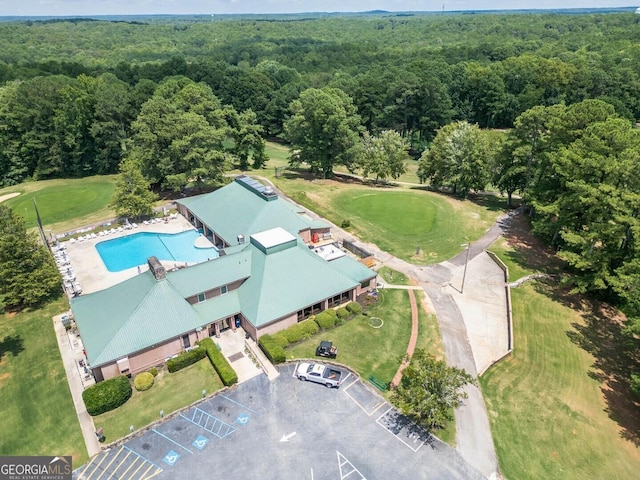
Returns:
point(283, 429)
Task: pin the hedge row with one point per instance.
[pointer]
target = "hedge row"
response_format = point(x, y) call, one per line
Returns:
point(271, 348)
point(105, 396)
point(273, 345)
point(185, 359)
point(225, 371)
point(301, 331)
point(354, 307)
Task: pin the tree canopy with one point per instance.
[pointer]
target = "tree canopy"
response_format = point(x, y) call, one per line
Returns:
point(323, 130)
point(28, 274)
point(430, 391)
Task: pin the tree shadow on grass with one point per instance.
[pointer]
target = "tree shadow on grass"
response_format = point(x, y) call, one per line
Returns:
point(529, 251)
point(13, 344)
point(616, 356)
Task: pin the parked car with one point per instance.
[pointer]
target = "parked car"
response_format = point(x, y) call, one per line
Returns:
point(319, 373)
point(326, 349)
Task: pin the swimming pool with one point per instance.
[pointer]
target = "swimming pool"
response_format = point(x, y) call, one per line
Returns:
point(132, 250)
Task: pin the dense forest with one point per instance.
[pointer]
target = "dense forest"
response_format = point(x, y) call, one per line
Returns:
point(73, 89)
point(176, 101)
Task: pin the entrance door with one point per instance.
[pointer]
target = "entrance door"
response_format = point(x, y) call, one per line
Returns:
point(185, 341)
point(224, 324)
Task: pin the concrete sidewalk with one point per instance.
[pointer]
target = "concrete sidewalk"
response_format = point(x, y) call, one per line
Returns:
point(71, 353)
point(247, 361)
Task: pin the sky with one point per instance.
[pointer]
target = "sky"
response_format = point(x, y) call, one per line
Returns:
point(135, 7)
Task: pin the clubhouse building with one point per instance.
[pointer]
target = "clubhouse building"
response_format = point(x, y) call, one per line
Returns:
point(271, 274)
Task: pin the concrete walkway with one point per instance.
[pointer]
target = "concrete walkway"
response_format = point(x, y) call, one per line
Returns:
point(70, 355)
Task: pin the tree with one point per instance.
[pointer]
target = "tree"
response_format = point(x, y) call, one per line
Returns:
point(132, 197)
point(430, 390)
point(247, 135)
point(28, 274)
point(180, 129)
point(323, 130)
point(459, 158)
point(383, 155)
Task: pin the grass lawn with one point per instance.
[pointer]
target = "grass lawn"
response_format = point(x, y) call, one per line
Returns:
point(393, 277)
point(38, 417)
point(397, 220)
point(550, 414)
point(365, 349)
point(170, 392)
point(63, 203)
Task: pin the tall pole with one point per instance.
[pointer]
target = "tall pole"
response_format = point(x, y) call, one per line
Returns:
point(464, 273)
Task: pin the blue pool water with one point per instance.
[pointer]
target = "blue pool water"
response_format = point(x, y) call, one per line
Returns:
point(132, 250)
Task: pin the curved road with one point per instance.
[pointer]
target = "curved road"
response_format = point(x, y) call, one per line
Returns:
point(474, 441)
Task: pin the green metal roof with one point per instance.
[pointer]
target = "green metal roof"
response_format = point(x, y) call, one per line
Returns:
point(353, 269)
point(211, 274)
point(234, 209)
point(219, 307)
point(286, 281)
point(131, 316)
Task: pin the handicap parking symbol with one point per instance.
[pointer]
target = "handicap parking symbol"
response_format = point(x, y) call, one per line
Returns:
point(242, 419)
point(200, 442)
point(171, 458)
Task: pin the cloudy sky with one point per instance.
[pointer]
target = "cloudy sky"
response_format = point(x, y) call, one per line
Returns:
point(132, 7)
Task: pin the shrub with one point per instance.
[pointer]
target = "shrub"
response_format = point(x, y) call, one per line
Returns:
point(144, 381)
point(300, 331)
point(107, 395)
point(280, 339)
point(346, 223)
point(224, 369)
point(325, 320)
point(185, 359)
point(153, 371)
point(354, 307)
point(342, 313)
point(273, 351)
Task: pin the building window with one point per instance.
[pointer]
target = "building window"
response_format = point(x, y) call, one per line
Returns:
point(223, 290)
point(307, 312)
point(201, 297)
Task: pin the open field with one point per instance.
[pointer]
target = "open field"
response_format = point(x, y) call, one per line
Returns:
point(170, 392)
point(553, 411)
point(63, 204)
point(36, 409)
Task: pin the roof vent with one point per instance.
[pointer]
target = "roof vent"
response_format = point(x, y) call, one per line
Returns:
point(240, 238)
point(156, 268)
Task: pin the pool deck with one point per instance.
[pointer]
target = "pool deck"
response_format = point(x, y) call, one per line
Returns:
point(90, 271)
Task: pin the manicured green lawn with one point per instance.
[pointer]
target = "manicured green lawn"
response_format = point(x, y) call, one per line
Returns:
point(547, 411)
point(417, 226)
point(366, 349)
point(63, 203)
point(36, 411)
point(170, 392)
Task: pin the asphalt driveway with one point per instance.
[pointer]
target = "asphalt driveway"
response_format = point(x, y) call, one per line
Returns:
point(284, 429)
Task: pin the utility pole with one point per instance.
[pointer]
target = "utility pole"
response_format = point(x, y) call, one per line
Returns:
point(464, 273)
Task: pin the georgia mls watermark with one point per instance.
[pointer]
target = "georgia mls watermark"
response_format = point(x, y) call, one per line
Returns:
point(35, 468)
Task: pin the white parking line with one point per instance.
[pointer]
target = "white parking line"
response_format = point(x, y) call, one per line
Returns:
point(411, 436)
point(377, 407)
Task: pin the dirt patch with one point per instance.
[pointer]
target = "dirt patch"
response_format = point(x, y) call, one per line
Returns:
point(8, 196)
